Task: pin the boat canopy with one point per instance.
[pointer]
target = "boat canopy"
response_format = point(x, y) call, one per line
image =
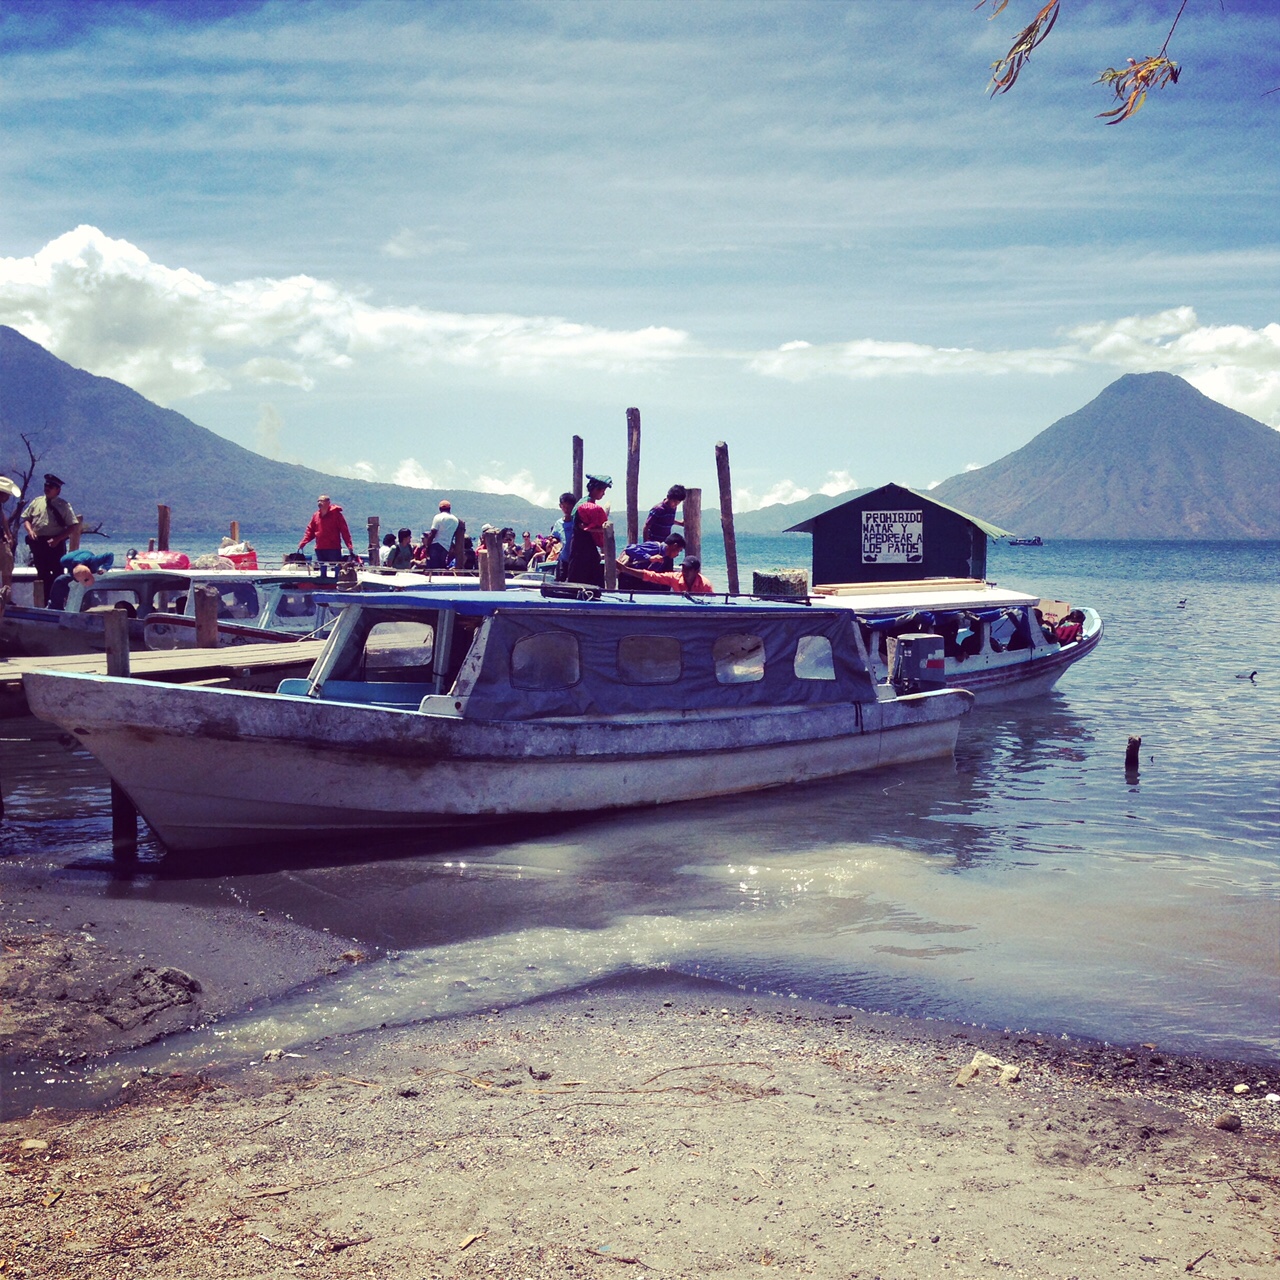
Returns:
point(617, 656)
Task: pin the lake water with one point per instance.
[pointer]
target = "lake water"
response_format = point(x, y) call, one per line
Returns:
point(1027, 883)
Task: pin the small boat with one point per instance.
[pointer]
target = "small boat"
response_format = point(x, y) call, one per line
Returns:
point(439, 708)
point(1037, 541)
point(161, 608)
point(999, 644)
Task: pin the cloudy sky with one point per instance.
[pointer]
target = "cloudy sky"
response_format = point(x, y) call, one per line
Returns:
point(429, 242)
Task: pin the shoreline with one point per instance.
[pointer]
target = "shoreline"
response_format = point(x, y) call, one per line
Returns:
point(666, 1125)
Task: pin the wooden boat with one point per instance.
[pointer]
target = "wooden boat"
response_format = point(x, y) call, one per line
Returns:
point(440, 708)
point(999, 644)
point(1037, 541)
point(253, 606)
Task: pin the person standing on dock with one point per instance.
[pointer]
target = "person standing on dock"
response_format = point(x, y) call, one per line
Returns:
point(329, 528)
point(440, 537)
point(586, 534)
point(8, 539)
point(661, 519)
point(49, 522)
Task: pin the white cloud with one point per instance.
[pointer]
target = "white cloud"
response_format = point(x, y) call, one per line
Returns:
point(411, 244)
point(103, 305)
point(269, 424)
point(870, 358)
point(1234, 364)
point(411, 473)
point(837, 482)
point(522, 484)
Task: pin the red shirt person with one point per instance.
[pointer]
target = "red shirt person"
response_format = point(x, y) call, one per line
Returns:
point(686, 580)
point(329, 528)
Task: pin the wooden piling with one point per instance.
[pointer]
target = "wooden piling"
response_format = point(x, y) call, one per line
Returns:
point(206, 607)
point(460, 548)
point(493, 573)
point(124, 813)
point(577, 468)
point(162, 527)
point(611, 557)
point(235, 531)
point(726, 516)
point(151, 544)
point(633, 475)
point(693, 523)
point(1131, 754)
point(375, 542)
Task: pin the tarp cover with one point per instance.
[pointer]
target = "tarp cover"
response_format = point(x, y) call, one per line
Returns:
point(602, 689)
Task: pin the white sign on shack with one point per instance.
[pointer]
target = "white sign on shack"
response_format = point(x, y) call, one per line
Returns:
point(892, 537)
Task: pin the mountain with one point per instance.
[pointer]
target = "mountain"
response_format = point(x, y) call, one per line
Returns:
point(120, 455)
point(1148, 457)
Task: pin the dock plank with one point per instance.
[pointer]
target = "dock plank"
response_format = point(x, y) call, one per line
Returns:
point(178, 666)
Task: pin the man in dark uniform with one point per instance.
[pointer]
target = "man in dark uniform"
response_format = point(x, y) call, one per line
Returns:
point(49, 522)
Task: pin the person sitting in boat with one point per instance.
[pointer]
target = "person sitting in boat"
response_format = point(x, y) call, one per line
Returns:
point(687, 580)
point(1070, 628)
point(659, 557)
point(660, 520)
point(586, 534)
point(400, 556)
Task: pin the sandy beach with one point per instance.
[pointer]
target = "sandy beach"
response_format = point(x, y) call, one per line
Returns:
point(654, 1127)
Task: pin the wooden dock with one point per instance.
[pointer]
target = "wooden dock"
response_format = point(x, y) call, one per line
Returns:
point(256, 667)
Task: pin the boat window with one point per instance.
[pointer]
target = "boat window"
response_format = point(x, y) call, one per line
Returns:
point(296, 604)
point(169, 600)
point(814, 659)
point(399, 651)
point(649, 660)
point(548, 660)
point(238, 601)
point(111, 596)
point(739, 659)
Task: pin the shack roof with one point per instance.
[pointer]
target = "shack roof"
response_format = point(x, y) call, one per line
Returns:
point(991, 530)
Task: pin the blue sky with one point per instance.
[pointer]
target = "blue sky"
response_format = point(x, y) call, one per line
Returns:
point(429, 242)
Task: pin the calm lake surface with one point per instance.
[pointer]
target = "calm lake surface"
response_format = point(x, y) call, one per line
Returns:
point(1027, 883)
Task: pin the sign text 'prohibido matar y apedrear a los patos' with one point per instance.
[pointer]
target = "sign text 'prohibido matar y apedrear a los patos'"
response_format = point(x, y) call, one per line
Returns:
point(892, 537)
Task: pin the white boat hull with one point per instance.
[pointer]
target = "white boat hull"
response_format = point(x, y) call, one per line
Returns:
point(248, 768)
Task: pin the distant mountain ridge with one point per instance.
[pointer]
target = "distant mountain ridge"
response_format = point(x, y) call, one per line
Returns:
point(1149, 457)
point(121, 455)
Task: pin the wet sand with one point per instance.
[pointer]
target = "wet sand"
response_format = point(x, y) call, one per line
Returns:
point(645, 1128)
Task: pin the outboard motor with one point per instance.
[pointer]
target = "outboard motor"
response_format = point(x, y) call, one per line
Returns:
point(916, 663)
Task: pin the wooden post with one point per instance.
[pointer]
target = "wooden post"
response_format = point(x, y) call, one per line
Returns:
point(235, 531)
point(693, 523)
point(375, 542)
point(162, 527)
point(460, 548)
point(115, 634)
point(73, 538)
point(610, 558)
point(207, 598)
point(633, 475)
point(482, 564)
point(124, 814)
point(577, 467)
point(726, 516)
point(495, 579)
point(151, 544)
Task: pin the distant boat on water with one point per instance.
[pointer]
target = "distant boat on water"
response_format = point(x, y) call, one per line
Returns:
point(1037, 541)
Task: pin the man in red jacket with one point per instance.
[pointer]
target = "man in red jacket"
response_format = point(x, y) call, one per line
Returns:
point(329, 528)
